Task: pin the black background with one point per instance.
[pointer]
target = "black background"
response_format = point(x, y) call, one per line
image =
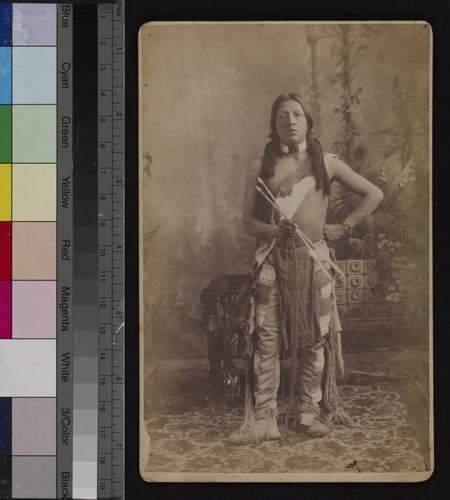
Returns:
point(438, 15)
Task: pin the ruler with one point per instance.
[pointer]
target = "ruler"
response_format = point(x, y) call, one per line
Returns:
point(111, 265)
point(90, 282)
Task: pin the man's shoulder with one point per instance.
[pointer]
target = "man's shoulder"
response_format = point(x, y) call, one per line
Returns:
point(330, 156)
point(329, 159)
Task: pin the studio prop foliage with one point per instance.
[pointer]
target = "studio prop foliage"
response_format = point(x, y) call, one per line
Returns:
point(396, 234)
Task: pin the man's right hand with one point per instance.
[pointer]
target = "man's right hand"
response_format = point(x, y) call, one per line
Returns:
point(286, 229)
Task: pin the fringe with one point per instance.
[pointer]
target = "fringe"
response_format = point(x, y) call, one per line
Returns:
point(294, 340)
point(337, 417)
point(340, 370)
point(248, 431)
point(331, 411)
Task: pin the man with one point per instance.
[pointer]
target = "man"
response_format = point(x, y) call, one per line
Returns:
point(295, 306)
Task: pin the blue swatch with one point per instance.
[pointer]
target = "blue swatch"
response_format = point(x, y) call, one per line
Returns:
point(5, 75)
point(5, 426)
point(5, 25)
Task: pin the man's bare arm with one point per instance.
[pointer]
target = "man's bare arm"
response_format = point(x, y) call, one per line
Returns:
point(371, 197)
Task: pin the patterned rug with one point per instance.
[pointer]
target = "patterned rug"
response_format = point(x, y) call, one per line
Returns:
point(189, 429)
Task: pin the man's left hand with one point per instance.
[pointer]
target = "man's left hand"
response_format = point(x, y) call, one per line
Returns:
point(333, 231)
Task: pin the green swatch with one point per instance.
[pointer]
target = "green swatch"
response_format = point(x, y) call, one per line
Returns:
point(34, 134)
point(5, 134)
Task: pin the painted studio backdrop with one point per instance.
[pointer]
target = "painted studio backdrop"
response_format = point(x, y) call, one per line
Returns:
point(207, 93)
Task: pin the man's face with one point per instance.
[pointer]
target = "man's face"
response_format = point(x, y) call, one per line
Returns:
point(290, 123)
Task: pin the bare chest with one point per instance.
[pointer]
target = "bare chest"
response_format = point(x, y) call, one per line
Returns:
point(285, 169)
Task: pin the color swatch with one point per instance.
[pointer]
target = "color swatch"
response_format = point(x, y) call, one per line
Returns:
point(28, 215)
point(61, 330)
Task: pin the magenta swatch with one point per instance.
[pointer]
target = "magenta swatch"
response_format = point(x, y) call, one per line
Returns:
point(5, 309)
point(34, 309)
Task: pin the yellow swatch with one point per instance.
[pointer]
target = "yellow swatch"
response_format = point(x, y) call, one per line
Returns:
point(34, 192)
point(5, 192)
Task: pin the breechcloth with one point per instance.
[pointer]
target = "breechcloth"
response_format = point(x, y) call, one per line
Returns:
point(271, 334)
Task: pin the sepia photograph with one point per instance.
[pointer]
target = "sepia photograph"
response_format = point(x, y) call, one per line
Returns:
point(285, 251)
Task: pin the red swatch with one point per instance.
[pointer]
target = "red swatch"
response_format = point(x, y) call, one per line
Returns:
point(5, 250)
point(5, 309)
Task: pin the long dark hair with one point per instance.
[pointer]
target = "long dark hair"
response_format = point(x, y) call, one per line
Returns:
point(272, 150)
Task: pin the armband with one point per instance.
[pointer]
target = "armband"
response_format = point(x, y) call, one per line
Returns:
point(348, 229)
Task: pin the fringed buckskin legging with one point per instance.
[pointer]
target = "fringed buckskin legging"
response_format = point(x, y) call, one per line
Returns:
point(268, 341)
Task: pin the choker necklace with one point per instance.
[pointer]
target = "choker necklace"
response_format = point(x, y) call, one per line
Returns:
point(294, 148)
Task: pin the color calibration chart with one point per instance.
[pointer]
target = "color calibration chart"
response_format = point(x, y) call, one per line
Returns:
point(61, 250)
